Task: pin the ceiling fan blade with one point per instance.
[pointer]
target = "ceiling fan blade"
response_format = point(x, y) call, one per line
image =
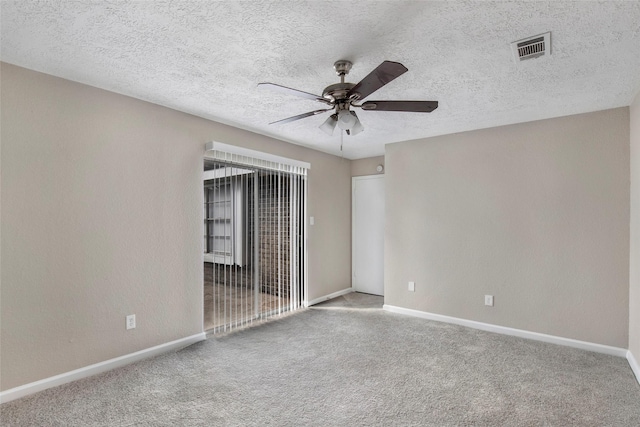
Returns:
point(294, 92)
point(409, 106)
point(383, 74)
point(300, 116)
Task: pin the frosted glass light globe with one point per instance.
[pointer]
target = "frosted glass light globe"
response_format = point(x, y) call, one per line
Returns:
point(345, 119)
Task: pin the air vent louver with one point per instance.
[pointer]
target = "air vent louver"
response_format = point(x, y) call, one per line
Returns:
point(532, 47)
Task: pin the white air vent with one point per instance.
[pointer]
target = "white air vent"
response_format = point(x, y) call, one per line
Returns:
point(532, 47)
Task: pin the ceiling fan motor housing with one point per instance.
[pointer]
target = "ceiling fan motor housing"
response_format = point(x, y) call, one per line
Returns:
point(337, 92)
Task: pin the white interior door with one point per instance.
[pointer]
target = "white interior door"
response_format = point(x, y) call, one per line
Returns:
point(368, 234)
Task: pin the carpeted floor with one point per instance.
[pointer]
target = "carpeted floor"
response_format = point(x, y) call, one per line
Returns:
point(348, 363)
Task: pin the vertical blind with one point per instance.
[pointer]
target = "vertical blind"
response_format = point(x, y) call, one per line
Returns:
point(255, 262)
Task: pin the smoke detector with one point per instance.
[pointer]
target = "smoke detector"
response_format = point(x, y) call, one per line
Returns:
point(532, 47)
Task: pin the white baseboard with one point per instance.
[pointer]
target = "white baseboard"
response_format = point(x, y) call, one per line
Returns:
point(635, 367)
point(330, 296)
point(583, 345)
point(87, 371)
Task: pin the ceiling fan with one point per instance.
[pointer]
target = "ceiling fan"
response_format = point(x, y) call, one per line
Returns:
point(340, 97)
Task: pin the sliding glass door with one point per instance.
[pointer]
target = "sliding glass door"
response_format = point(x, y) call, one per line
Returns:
point(254, 243)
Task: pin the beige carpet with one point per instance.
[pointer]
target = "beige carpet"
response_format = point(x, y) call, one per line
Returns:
point(346, 362)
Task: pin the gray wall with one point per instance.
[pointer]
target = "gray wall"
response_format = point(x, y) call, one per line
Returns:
point(367, 166)
point(101, 209)
point(634, 257)
point(536, 214)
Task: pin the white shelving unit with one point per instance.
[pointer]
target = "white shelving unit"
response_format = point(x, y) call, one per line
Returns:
point(225, 198)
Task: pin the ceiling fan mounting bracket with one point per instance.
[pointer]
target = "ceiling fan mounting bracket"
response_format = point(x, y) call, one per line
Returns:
point(342, 67)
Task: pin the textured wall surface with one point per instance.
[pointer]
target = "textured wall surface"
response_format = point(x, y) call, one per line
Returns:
point(634, 251)
point(102, 217)
point(206, 58)
point(536, 214)
point(363, 167)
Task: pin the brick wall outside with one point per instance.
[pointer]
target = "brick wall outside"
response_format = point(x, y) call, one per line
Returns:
point(273, 199)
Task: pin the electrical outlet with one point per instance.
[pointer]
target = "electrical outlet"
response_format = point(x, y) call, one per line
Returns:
point(412, 286)
point(131, 321)
point(488, 300)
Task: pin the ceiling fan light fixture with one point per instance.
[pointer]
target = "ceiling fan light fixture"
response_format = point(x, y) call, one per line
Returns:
point(330, 124)
point(357, 126)
point(346, 120)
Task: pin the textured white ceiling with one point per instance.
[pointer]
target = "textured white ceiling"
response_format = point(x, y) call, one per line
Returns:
point(206, 58)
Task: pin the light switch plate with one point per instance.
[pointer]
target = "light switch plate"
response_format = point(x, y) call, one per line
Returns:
point(412, 286)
